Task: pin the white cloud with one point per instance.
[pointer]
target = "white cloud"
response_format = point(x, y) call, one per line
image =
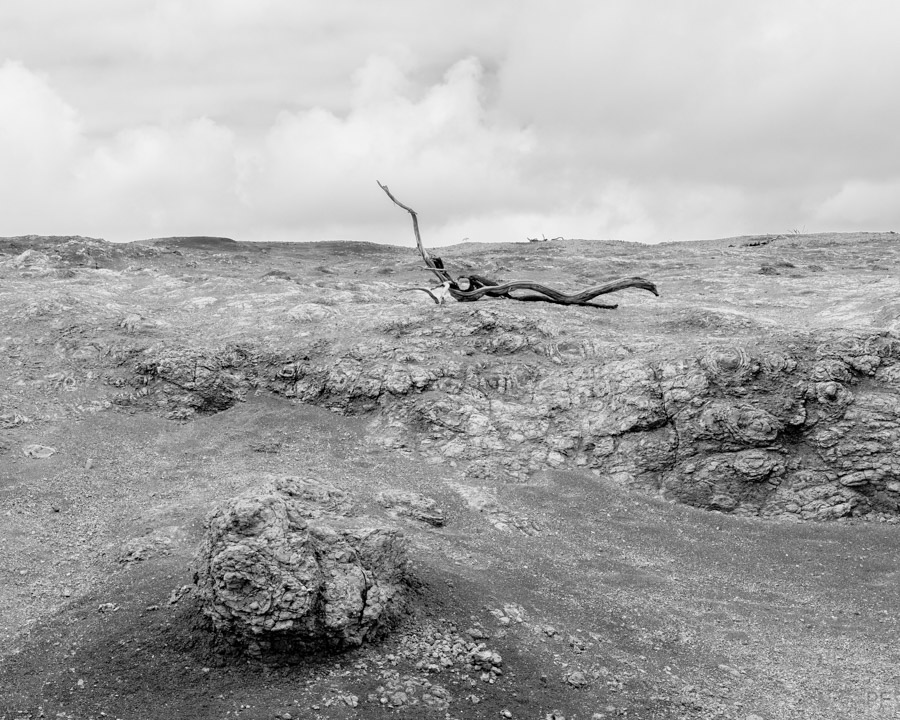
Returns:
point(862, 204)
point(441, 153)
point(312, 176)
point(641, 120)
point(40, 137)
point(153, 181)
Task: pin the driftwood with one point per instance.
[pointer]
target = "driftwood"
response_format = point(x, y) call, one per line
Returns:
point(477, 286)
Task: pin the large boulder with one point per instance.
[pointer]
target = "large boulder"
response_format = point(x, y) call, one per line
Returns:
point(280, 572)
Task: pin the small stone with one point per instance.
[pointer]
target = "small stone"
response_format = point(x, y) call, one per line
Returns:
point(505, 713)
point(38, 452)
point(576, 679)
point(54, 508)
point(67, 592)
point(88, 464)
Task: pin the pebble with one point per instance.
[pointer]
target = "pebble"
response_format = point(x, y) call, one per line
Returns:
point(88, 464)
point(39, 452)
point(514, 612)
point(576, 679)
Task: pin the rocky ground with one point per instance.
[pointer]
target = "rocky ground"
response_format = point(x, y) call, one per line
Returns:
point(681, 508)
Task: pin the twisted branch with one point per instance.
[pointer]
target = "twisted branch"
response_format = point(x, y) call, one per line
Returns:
point(479, 287)
point(555, 296)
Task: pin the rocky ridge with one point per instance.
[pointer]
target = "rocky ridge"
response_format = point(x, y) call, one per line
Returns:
point(808, 432)
point(723, 408)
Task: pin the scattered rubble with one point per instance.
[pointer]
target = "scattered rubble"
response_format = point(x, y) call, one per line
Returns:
point(413, 505)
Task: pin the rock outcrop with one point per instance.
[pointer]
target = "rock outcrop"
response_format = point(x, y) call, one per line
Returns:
point(285, 571)
point(807, 429)
point(412, 505)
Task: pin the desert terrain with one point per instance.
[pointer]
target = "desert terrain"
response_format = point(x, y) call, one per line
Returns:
point(684, 507)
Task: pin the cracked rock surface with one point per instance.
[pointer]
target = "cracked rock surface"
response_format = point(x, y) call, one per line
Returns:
point(279, 575)
point(805, 430)
point(746, 393)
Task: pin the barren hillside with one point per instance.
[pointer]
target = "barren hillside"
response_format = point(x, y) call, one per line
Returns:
point(682, 507)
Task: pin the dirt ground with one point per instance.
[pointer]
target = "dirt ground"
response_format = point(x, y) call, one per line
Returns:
point(606, 604)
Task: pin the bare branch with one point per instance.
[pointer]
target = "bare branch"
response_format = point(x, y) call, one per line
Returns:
point(435, 266)
point(555, 296)
point(478, 286)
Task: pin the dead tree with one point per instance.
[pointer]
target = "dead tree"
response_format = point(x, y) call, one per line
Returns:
point(478, 286)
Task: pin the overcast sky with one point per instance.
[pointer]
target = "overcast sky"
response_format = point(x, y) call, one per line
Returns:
point(644, 120)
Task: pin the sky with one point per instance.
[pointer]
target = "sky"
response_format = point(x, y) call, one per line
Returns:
point(496, 120)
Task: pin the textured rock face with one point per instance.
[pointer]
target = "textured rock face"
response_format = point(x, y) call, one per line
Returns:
point(801, 426)
point(280, 572)
point(413, 505)
point(810, 432)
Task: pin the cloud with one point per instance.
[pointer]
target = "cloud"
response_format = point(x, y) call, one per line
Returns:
point(861, 204)
point(441, 152)
point(152, 181)
point(639, 120)
point(40, 136)
point(311, 176)
point(706, 112)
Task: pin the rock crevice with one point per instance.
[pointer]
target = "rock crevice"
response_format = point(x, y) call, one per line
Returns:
point(807, 432)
